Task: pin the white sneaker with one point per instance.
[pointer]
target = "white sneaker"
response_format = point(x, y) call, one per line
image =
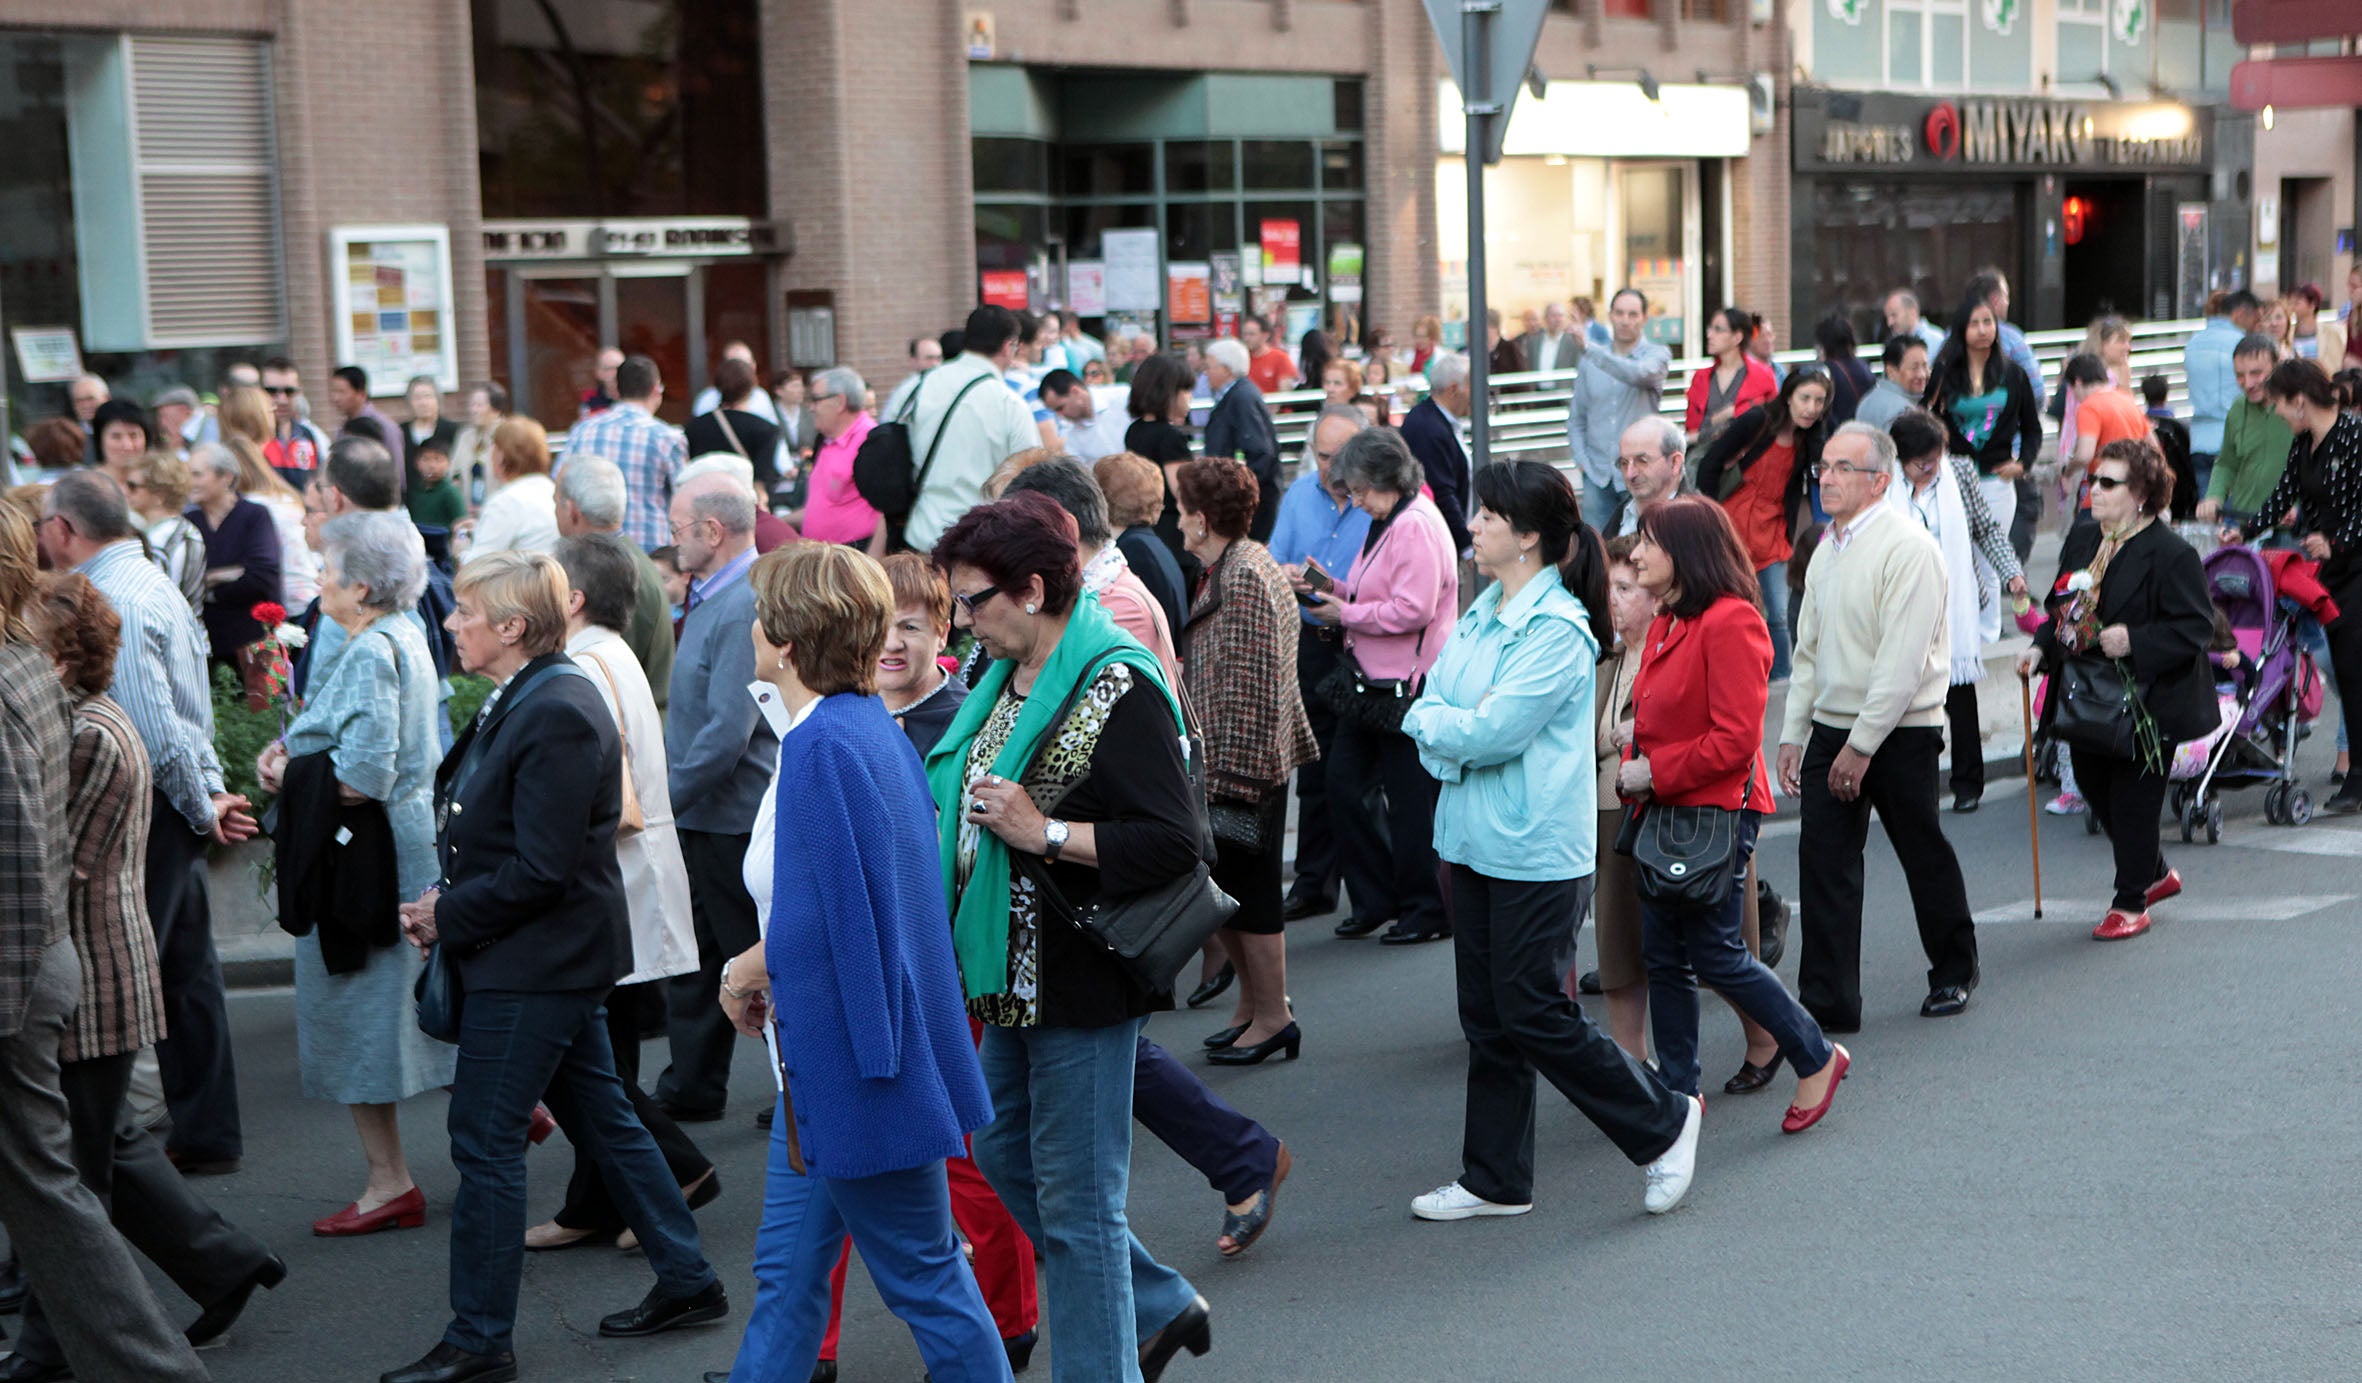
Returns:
point(2065, 804)
point(1455, 1202)
point(1669, 1176)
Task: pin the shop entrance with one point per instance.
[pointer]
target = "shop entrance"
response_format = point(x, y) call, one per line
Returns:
point(2103, 236)
point(549, 320)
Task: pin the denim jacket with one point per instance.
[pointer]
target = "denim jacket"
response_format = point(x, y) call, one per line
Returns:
point(1505, 725)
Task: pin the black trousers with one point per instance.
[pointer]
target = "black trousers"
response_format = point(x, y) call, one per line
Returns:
point(2126, 800)
point(1968, 740)
point(1512, 944)
point(1901, 787)
point(2345, 652)
point(148, 1201)
point(2028, 516)
point(1316, 840)
point(200, 1080)
point(588, 1205)
point(1382, 805)
point(702, 1039)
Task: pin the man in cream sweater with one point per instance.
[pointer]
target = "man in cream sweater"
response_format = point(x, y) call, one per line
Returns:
point(1864, 727)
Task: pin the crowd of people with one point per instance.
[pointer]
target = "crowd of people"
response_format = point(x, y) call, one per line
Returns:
point(880, 774)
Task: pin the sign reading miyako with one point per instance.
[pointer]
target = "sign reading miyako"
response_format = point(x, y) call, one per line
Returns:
point(2021, 134)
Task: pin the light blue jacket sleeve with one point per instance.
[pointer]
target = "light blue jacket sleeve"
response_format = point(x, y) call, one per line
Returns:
point(368, 728)
point(1531, 687)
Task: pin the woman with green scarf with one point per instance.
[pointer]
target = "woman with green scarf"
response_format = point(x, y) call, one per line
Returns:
point(1063, 777)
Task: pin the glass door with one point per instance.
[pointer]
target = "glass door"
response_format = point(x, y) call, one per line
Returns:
point(656, 315)
point(1653, 240)
point(554, 340)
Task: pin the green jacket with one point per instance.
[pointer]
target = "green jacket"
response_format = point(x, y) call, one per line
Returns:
point(2255, 451)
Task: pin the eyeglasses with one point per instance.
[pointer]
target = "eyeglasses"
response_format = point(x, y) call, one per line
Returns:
point(678, 527)
point(2111, 482)
point(1839, 467)
point(281, 390)
point(973, 599)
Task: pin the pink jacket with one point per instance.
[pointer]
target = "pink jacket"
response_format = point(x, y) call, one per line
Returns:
point(1403, 595)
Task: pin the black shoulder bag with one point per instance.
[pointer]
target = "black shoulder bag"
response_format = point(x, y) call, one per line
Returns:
point(882, 472)
point(1688, 856)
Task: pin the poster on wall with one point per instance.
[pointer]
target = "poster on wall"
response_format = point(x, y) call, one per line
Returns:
point(2189, 259)
point(392, 289)
point(1191, 288)
point(1283, 251)
point(1660, 280)
point(1086, 288)
point(1130, 257)
point(1006, 288)
point(1345, 259)
point(46, 355)
point(1229, 291)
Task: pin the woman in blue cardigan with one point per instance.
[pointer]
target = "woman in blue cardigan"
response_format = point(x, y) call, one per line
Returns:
point(855, 981)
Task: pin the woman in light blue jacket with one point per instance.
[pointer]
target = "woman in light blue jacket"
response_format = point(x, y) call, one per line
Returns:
point(1505, 725)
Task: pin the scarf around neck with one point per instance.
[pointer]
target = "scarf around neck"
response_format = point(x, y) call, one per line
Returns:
point(980, 912)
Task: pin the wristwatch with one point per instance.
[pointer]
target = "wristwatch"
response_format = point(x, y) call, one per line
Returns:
point(1054, 835)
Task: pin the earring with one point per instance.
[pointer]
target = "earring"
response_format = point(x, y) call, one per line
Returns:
point(783, 662)
point(1031, 608)
point(1521, 559)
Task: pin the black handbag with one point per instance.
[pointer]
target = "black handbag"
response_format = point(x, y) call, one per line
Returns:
point(1249, 825)
point(1373, 703)
point(1688, 856)
point(440, 995)
point(2098, 707)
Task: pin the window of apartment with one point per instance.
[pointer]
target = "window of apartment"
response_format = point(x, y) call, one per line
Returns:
point(1927, 43)
point(2082, 41)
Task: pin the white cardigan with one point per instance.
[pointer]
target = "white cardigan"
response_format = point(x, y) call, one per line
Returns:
point(655, 881)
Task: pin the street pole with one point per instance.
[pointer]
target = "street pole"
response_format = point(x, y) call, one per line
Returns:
point(1476, 18)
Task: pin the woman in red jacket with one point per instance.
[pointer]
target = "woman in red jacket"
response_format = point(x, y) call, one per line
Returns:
point(1697, 741)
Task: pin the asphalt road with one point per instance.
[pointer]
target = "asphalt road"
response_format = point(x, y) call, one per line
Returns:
point(2124, 1162)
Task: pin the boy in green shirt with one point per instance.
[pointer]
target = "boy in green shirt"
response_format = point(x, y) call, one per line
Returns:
point(2255, 441)
point(435, 502)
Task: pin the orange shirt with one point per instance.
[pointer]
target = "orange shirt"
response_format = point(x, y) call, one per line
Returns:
point(1758, 508)
point(2111, 415)
point(1270, 368)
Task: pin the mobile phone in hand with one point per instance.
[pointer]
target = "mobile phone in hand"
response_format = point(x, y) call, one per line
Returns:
point(1317, 577)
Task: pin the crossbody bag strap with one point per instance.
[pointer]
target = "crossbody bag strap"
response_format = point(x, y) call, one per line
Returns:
point(622, 736)
point(722, 416)
point(919, 480)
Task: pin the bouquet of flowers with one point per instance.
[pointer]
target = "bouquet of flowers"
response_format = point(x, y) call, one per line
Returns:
point(265, 664)
point(2079, 615)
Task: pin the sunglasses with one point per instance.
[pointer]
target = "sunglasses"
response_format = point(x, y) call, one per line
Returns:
point(280, 390)
point(2110, 482)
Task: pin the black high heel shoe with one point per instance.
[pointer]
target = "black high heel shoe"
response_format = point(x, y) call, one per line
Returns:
point(1751, 1077)
point(1217, 1041)
point(1289, 1038)
point(1193, 1330)
point(1212, 989)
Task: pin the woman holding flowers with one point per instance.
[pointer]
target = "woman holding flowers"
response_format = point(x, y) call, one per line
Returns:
point(2131, 603)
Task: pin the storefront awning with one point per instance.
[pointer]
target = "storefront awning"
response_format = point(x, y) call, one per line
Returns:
point(1614, 120)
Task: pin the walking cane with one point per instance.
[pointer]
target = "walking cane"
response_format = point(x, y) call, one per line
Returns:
point(2033, 801)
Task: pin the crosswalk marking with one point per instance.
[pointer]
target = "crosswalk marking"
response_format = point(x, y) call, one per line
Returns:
point(2084, 911)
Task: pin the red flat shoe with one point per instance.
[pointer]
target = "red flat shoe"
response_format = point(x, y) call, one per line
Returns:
point(2168, 887)
point(2119, 925)
point(538, 1131)
point(1799, 1120)
point(405, 1211)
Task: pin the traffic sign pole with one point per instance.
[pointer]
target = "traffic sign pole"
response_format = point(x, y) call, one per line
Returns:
point(1476, 98)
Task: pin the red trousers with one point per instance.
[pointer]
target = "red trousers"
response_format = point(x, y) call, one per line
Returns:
point(1004, 1257)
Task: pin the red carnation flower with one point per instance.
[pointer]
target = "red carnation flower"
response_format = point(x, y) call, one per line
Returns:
point(270, 613)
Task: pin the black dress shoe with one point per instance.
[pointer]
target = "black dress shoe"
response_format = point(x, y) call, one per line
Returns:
point(1751, 1077)
point(16, 1368)
point(1945, 1002)
point(1288, 1039)
point(1355, 927)
point(765, 1115)
point(1020, 1348)
point(1588, 983)
point(221, 1315)
point(1296, 908)
point(823, 1371)
point(1396, 936)
point(448, 1363)
point(1192, 1330)
point(683, 1114)
point(657, 1312)
point(1212, 989)
point(2345, 803)
point(1771, 917)
point(1965, 802)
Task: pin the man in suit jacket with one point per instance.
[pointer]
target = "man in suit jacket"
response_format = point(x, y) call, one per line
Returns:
point(1240, 426)
point(1553, 346)
point(1433, 434)
point(721, 755)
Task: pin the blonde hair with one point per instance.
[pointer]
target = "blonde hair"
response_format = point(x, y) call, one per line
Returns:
point(164, 476)
point(530, 586)
point(829, 607)
point(20, 574)
point(523, 445)
point(1134, 486)
point(998, 482)
point(245, 412)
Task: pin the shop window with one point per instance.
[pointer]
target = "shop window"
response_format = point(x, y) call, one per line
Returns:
point(1348, 105)
point(1083, 224)
point(1194, 230)
point(1276, 164)
point(1201, 166)
point(620, 108)
point(1341, 166)
point(1107, 170)
point(1008, 236)
point(1927, 43)
point(2082, 42)
point(1019, 167)
point(737, 303)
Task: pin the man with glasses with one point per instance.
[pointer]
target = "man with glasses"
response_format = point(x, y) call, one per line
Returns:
point(1615, 386)
point(1863, 730)
point(721, 754)
point(297, 447)
point(1650, 458)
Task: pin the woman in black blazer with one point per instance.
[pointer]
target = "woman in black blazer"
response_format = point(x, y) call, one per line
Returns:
point(2130, 592)
point(531, 901)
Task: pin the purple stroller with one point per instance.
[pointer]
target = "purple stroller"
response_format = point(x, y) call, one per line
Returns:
point(2274, 689)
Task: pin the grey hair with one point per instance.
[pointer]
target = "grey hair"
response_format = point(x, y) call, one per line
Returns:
point(1447, 369)
point(1377, 458)
point(1076, 491)
point(1230, 355)
point(731, 506)
point(216, 458)
point(379, 549)
point(845, 380)
point(1884, 457)
point(727, 463)
point(594, 485)
point(1670, 438)
point(1341, 412)
point(1907, 296)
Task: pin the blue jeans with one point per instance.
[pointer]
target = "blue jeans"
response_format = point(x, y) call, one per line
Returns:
point(1774, 582)
point(1601, 503)
point(901, 1222)
point(1685, 947)
point(517, 1049)
point(1059, 1152)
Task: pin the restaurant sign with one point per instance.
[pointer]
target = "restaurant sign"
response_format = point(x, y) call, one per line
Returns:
point(687, 235)
point(2000, 134)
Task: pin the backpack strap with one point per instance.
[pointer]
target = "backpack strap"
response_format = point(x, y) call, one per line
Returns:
point(918, 480)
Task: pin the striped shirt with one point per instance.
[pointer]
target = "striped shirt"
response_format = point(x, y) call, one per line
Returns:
point(649, 453)
point(161, 678)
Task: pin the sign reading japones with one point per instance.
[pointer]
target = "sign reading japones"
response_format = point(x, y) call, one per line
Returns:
point(1884, 131)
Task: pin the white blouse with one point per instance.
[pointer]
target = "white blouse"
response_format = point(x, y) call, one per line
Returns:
point(760, 849)
point(522, 517)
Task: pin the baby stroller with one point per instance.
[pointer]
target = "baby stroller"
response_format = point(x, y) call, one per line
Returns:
point(2269, 690)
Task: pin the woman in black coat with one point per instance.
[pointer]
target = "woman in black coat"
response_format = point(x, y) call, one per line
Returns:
point(2132, 595)
point(531, 904)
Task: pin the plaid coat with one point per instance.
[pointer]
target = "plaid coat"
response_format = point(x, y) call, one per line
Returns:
point(34, 741)
point(1238, 657)
point(107, 817)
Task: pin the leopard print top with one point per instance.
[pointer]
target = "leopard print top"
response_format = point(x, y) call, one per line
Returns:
point(1064, 761)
